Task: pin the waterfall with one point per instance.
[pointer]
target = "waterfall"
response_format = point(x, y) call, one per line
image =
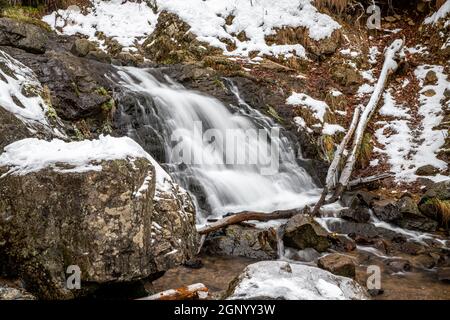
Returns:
point(165, 116)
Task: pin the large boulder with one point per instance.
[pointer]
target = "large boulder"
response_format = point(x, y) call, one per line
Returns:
point(302, 231)
point(412, 218)
point(435, 203)
point(22, 35)
point(236, 240)
point(289, 281)
point(102, 205)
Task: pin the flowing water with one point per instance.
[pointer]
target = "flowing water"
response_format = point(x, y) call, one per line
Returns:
point(230, 158)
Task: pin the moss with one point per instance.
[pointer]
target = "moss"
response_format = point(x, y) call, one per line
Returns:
point(219, 84)
point(365, 151)
point(51, 113)
point(102, 91)
point(26, 14)
point(109, 105)
point(78, 135)
point(273, 113)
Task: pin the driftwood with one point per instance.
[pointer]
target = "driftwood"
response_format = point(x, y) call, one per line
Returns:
point(196, 291)
point(245, 216)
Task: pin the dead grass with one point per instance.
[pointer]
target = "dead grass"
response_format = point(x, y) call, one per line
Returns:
point(442, 208)
point(337, 6)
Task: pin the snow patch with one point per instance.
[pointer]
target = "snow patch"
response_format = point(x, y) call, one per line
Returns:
point(332, 129)
point(318, 107)
point(443, 11)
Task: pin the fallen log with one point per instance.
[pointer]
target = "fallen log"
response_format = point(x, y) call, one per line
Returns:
point(245, 216)
point(389, 66)
point(366, 180)
point(197, 291)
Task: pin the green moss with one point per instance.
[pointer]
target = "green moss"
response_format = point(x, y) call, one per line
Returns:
point(102, 91)
point(219, 84)
point(78, 135)
point(51, 113)
point(273, 113)
point(108, 105)
point(26, 14)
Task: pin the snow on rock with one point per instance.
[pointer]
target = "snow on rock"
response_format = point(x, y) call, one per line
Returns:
point(258, 18)
point(19, 92)
point(319, 108)
point(443, 11)
point(31, 155)
point(124, 21)
point(290, 281)
point(332, 129)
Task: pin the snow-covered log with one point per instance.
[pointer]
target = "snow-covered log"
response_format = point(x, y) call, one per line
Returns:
point(389, 66)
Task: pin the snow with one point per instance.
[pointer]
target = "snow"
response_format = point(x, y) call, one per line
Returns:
point(319, 108)
point(258, 18)
point(390, 108)
point(125, 22)
point(336, 93)
point(373, 52)
point(291, 281)
point(408, 149)
point(349, 52)
point(300, 122)
point(29, 109)
point(332, 129)
point(443, 11)
point(32, 155)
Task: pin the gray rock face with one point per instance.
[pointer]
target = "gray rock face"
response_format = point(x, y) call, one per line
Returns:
point(11, 129)
point(302, 231)
point(268, 280)
point(22, 35)
point(50, 220)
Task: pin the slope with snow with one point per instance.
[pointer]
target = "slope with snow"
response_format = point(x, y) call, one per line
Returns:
point(258, 18)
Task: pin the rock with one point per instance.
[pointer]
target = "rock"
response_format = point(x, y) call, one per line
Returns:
point(424, 261)
point(305, 255)
point(338, 264)
point(172, 42)
point(429, 93)
point(302, 231)
point(358, 214)
point(386, 210)
point(443, 274)
point(22, 35)
point(343, 243)
point(358, 198)
point(102, 217)
point(430, 78)
point(427, 170)
point(278, 280)
point(81, 47)
point(11, 129)
point(9, 293)
point(346, 75)
point(411, 218)
point(99, 55)
point(326, 46)
point(237, 240)
point(363, 230)
point(399, 265)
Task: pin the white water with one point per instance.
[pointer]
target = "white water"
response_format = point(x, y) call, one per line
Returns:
point(227, 187)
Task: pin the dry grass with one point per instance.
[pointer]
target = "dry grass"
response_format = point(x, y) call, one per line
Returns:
point(439, 3)
point(337, 6)
point(442, 208)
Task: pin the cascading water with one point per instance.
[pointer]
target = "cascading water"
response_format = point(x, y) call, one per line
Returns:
point(178, 118)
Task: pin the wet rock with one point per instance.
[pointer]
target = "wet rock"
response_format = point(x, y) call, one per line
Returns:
point(427, 170)
point(358, 198)
point(10, 293)
point(343, 243)
point(338, 264)
point(50, 220)
point(358, 214)
point(362, 230)
point(424, 261)
point(22, 35)
point(386, 210)
point(399, 265)
point(237, 240)
point(444, 274)
point(411, 218)
point(305, 255)
point(434, 204)
point(266, 280)
point(302, 231)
